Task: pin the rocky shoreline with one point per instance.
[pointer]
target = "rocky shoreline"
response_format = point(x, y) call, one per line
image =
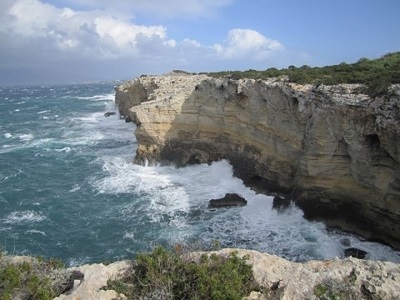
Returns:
point(332, 150)
point(277, 278)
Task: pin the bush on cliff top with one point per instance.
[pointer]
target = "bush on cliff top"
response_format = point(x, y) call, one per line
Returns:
point(165, 274)
point(30, 279)
point(375, 74)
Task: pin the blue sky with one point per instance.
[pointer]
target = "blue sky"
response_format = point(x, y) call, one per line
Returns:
point(54, 41)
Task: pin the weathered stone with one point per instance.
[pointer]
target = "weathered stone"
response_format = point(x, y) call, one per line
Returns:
point(354, 252)
point(227, 201)
point(282, 279)
point(336, 152)
point(280, 204)
point(95, 277)
point(109, 113)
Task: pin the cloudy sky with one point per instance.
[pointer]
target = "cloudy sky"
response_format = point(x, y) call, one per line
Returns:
point(55, 41)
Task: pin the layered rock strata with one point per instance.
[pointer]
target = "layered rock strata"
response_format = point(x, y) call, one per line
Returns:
point(334, 151)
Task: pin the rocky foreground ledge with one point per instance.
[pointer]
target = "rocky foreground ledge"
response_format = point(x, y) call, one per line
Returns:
point(331, 149)
point(278, 278)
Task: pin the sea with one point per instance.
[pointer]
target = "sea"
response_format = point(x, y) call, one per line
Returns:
point(69, 189)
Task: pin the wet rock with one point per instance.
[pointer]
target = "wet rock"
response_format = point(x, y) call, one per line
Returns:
point(354, 252)
point(128, 119)
point(109, 113)
point(280, 204)
point(227, 201)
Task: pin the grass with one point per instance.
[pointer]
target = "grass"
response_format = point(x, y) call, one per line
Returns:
point(169, 274)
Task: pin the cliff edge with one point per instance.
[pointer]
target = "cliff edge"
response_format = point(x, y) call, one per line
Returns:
point(331, 149)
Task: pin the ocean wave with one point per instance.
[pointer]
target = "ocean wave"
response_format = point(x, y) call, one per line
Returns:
point(36, 232)
point(103, 97)
point(8, 135)
point(65, 149)
point(27, 216)
point(26, 137)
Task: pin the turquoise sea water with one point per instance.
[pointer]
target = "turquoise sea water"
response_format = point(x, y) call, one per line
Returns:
point(69, 189)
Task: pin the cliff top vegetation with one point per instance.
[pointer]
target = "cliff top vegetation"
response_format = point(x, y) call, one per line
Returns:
point(376, 74)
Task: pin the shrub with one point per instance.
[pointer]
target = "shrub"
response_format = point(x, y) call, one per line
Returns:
point(30, 279)
point(165, 274)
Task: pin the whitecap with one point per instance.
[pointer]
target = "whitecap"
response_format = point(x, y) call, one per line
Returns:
point(36, 232)
point(75, 188)
point(103, 97)
point(65, 149)
point(129, 236)
point(27, 216)
point(43, 112)
point(8, 135)
point(26, 137)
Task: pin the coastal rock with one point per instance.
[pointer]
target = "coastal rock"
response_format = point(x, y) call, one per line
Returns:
point(227, 201)
point(280, 204)
point(109, 113)
point(95, 277)
point(349, 278)
point(355, 252)
point(334, 150)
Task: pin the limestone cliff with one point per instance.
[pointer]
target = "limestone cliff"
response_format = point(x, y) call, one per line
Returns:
point(334, 151)
point(278, 278)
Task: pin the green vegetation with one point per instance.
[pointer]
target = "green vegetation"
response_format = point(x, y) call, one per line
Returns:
point(165, 274)
point(28, 279)
point(376, 74)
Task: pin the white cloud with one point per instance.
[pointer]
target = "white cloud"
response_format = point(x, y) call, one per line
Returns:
point(38, 35)
point(247, 43)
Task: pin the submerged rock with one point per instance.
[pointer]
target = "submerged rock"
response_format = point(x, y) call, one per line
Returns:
point(227, 201)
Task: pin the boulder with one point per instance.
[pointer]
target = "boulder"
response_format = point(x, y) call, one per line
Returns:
point(227, 201)
point(109, 113)
point(355, 252)
point(280, 204)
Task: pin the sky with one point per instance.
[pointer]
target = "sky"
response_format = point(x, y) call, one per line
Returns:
point(64, 41)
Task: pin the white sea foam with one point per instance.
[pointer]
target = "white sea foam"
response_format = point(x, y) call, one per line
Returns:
point(34, 231)
point(43, 112)
point(8, 135)
point(65, 149)
point(75, 188)
point(129, 236)
point(25, 137)
point(177, 200)
point(103, 97)
point(26, 216)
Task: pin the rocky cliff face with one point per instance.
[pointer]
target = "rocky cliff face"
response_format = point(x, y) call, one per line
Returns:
point(335, 152)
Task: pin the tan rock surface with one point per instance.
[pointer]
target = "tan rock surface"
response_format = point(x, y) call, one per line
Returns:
point(278, 278)
point(95, 278)
point(336, 152)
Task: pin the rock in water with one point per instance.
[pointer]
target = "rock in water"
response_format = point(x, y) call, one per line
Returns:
point(354, 252)
point(280, 204)
point(227, 201)
point(109, 113)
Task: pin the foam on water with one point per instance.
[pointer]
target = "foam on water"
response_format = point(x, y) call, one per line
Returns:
point(64, 157)
point(27, 216)
point(25, 137)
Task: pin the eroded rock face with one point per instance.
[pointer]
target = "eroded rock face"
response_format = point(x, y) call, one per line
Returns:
point(335, 152)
